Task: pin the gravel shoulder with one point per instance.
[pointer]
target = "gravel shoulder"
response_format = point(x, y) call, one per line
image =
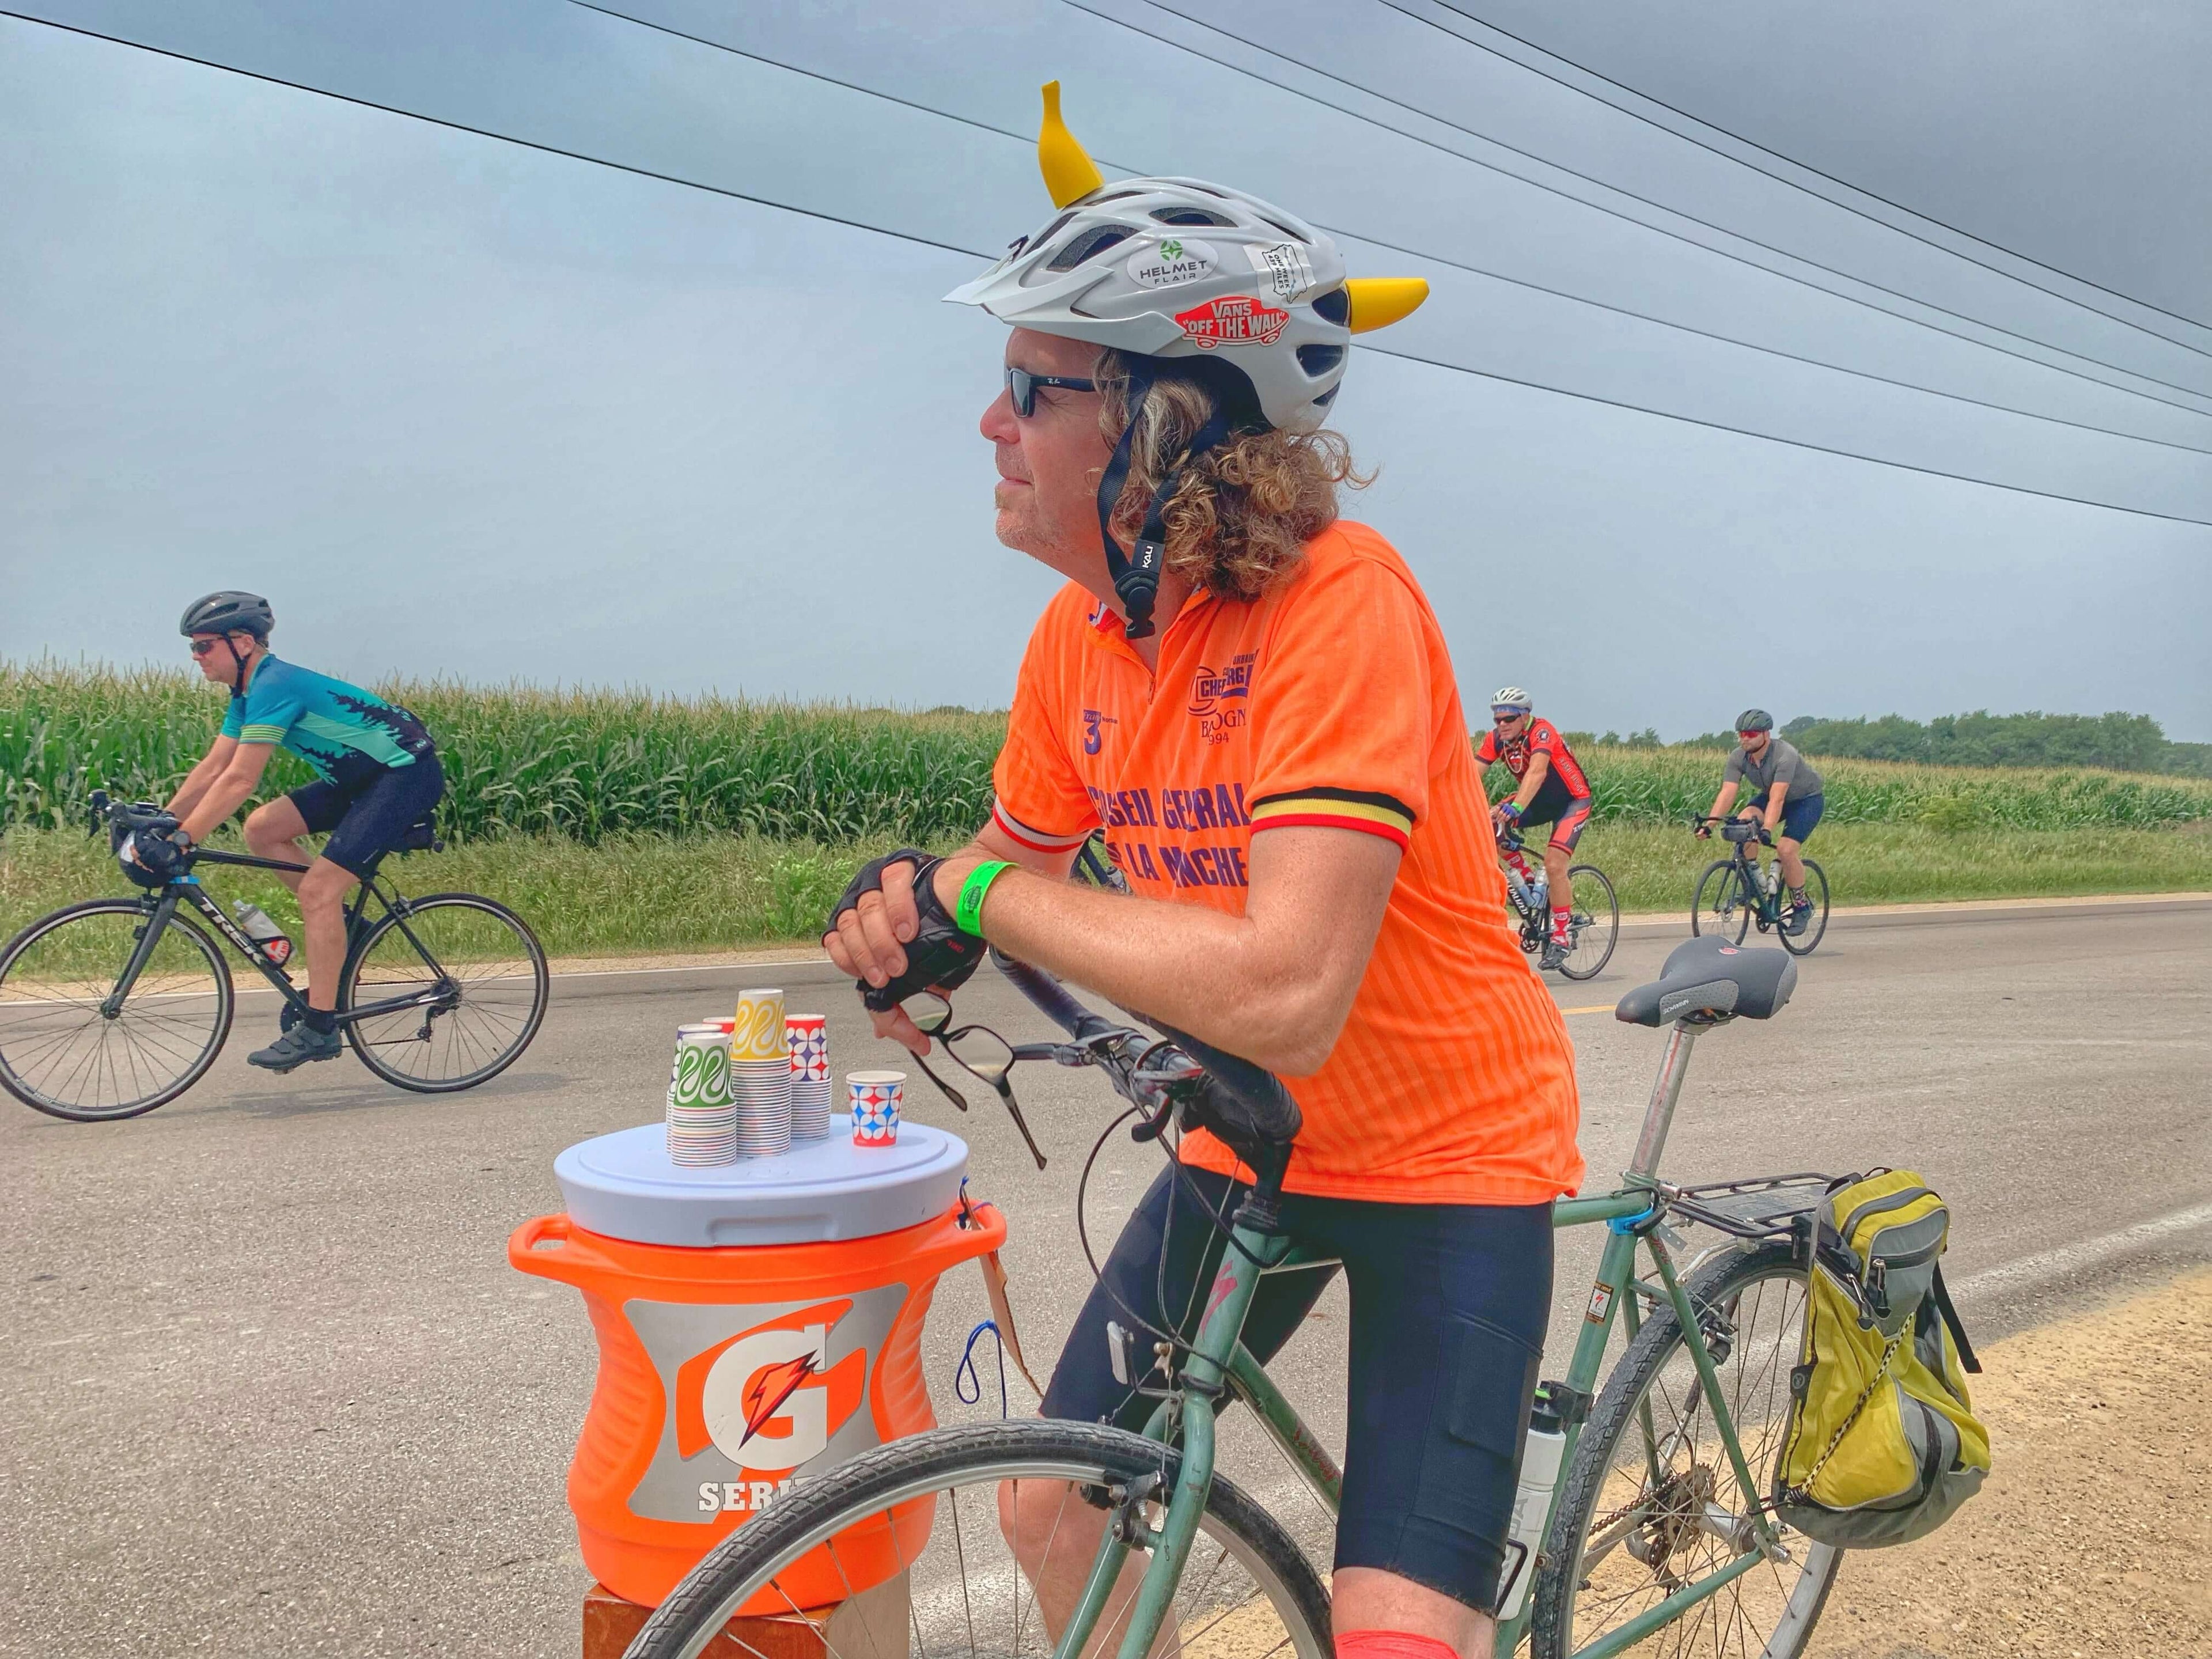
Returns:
point(2089, 1537)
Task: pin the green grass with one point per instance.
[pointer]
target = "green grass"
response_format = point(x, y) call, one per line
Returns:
point(659, 893)
point(1670, 785)
point(620, 821)
point(1655, 868)
point(627, 894)
point(595, 766)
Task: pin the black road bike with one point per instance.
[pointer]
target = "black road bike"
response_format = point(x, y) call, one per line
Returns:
point(114, 1007)
point(1594, 923)
point(1732, 894)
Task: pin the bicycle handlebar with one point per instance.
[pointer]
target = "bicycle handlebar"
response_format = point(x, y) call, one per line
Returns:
point(1051, 999)
point(1766, 838)
point(1245, 1105)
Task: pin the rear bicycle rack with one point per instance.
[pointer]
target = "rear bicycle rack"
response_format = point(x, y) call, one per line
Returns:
point(1766, 1207)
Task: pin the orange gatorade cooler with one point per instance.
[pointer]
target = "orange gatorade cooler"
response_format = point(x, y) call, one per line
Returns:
point(758, 1321)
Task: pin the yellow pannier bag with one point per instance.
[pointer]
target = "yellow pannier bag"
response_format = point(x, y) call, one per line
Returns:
point(1882, 1444)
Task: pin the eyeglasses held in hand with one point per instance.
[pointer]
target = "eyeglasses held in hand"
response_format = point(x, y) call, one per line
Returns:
point(975, 1049)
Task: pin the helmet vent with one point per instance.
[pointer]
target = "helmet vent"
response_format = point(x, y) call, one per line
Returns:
point(1318, 360)
point(1191, 215)
point(1334, 306)
point(1087, 245)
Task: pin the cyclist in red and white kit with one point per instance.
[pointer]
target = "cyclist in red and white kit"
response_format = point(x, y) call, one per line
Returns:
point(1553, 790)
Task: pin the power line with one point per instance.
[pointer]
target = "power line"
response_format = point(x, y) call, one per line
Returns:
point(1538, 184)
point(658, 26)
point(953, 247)
point(1776, 437)
point(1806, 166)
point(487, 132)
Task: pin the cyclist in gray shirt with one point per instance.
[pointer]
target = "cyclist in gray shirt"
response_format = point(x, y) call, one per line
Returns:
point(1789, 796)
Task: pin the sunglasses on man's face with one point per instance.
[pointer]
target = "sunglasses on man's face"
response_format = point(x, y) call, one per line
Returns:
point(1749, 736)
point(1506, 719)
point(201, 647)
point(1022, 387)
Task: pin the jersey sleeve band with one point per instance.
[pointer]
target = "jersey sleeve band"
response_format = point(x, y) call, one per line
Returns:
point(1335, 809)
point(1039, 841)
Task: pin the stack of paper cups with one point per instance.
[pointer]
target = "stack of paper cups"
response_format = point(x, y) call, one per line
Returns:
point(876, 1097)
point(760, 1075)
point(702, 1125)
point(808, 1037)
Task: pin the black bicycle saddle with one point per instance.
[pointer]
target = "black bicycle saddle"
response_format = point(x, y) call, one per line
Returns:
point(1711, 976)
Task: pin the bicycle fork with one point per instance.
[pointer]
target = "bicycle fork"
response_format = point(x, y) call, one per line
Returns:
point(142, 952)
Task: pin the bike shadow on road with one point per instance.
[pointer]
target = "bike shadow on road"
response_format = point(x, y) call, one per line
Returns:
point(295, 1100)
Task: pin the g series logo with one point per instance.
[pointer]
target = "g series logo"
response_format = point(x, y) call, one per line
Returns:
point(768, 1399)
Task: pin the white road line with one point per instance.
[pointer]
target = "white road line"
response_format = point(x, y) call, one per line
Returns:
point(2072, 1258)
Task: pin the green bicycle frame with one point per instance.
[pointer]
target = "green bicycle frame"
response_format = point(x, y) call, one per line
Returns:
point(1218, 1365)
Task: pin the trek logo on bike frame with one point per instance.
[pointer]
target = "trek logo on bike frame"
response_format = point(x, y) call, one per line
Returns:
point(756, 1396)
point(231, 931)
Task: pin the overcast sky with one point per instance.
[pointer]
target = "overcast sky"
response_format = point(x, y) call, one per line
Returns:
point(466, 407)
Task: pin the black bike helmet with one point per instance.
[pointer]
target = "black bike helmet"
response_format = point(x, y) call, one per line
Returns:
point(229, 611)
point(1754, 719)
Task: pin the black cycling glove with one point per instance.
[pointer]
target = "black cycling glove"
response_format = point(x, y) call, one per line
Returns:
point(162, 851)
point(939, 956)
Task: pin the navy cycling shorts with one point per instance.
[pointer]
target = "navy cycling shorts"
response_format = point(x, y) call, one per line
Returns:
point(1449, 1305)
point(365, 822)
point(1798, 816)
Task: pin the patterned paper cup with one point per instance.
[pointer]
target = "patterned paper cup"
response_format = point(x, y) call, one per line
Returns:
point(701, 1115)
point(757, 1028)
point(808, 1038)
point(876, 1097)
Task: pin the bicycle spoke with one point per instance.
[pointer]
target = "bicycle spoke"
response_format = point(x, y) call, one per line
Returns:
point(1669, 1512)
point(62, 1050)
point(461, 954)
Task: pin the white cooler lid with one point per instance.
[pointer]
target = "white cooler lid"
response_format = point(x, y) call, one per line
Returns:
point(623, 1186)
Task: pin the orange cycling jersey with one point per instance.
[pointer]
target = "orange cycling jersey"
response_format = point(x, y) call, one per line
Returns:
point(1328, 702)
point(1539, 738)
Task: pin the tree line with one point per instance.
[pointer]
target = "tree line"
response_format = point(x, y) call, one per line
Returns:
point(2117, 742)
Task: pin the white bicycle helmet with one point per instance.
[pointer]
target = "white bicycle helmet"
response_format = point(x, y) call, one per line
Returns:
point(1181, 270)
point(1511, 697)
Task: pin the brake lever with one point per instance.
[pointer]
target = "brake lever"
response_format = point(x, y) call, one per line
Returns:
point(1165, 1088)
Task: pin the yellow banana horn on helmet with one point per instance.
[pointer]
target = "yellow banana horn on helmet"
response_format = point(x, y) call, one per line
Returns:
point(1069, 174)
point(1379, 301)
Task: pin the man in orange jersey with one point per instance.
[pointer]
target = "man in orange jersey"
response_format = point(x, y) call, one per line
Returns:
point(1253, 699)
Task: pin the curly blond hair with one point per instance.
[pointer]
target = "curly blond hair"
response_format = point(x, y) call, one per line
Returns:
point(1241, 514)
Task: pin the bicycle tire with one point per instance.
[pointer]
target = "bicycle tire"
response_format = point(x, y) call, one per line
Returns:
point(514, 1030)
point(1718, 1290)
point(1089, 1454)
point(18, 1033)
point(1730, 909)
point(1816, 888)
point(1608, 920)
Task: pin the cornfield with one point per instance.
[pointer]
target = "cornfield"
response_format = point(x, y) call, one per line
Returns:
point(592, 765)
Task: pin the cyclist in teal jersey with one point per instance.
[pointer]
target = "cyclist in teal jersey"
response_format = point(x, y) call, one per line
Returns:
point(377, 776)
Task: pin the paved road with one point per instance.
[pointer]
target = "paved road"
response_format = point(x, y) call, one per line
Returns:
point(272, 1389)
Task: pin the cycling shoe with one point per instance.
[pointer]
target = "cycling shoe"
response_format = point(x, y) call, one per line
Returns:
point(296, 1048)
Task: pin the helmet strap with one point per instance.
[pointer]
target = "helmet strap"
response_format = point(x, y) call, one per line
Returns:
point(237, 668)
point(1137, 574)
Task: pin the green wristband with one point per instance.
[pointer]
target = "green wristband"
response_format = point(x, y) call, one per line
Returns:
point(967, 914)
